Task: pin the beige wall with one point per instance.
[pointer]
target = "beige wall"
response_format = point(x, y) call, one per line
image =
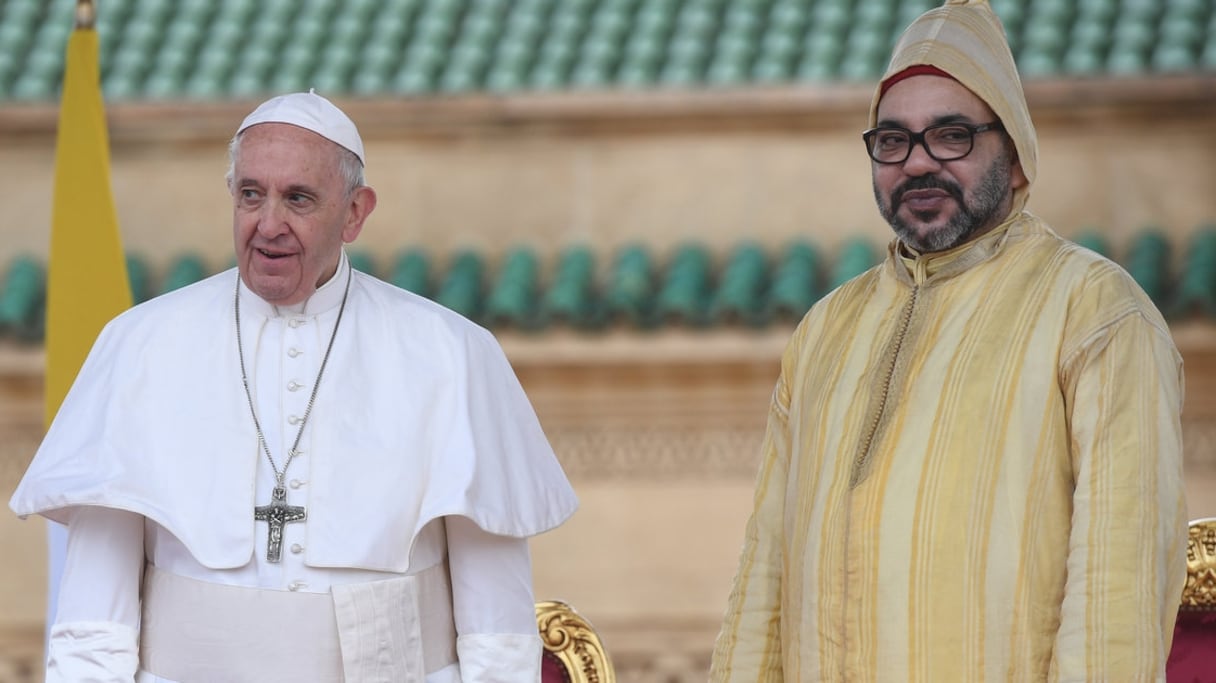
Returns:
point(767, 165)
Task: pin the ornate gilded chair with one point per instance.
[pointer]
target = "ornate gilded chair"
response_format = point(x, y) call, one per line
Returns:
point(573, 652)
point(1193, 654)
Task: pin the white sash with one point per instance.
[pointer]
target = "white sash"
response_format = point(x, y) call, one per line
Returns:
point(395, 631)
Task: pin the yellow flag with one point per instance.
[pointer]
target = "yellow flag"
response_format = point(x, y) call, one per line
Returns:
point(86, 272)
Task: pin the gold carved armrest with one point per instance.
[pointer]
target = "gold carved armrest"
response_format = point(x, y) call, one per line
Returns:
point(572, 640)
point(1200, 590)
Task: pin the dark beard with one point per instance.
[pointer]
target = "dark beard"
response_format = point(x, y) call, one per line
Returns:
point(972, 218)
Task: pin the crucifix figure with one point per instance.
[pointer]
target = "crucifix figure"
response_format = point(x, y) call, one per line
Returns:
point(276, 514)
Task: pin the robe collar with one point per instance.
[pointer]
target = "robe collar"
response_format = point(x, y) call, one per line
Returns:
point(916, 269)
point(327, 297)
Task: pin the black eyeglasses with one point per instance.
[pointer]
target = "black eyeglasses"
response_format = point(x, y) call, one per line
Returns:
point(943, 142)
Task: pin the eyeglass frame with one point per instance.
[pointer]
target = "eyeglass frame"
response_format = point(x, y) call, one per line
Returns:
point(919, 138)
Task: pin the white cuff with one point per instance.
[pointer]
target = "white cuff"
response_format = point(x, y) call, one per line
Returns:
point(92, 652)
point(499, 658)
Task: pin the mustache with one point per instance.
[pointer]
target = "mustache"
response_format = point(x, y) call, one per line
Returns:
point(926, 182)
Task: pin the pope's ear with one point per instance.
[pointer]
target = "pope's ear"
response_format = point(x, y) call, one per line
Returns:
point(362, 203)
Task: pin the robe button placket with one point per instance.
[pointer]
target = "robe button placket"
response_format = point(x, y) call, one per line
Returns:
point(294, 386)
point(295, 322)
point(296, 548)
point(293, 352)
point(293, 420)
point(295, 483)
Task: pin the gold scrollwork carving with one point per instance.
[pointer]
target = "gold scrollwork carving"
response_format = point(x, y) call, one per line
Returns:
point(1200, 590)
point(571, 638)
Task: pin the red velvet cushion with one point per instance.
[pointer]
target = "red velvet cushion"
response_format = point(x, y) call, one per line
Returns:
point(1193, 654)
point(552, 670)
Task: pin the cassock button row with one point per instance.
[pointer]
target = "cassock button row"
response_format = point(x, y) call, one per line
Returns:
point(296, 548)
point(294, 386)
point(293, 352)
point(295, 483)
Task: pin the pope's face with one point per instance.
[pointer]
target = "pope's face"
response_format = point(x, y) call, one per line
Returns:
point(937, 205)
point(291, 211)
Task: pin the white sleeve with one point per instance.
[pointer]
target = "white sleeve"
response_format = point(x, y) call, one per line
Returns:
point(96, 631)
point(493, 606)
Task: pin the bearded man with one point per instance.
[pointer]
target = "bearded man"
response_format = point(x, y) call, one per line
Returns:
point(973, 462)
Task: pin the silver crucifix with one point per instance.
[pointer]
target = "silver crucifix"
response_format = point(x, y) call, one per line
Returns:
point(276, 514)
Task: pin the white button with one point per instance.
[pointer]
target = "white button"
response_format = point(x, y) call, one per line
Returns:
point(296, 585)
point(294, 386)
point(295, 483)
point(294, 419)
point(297, 548)
point(295, 322)
point(293, 352)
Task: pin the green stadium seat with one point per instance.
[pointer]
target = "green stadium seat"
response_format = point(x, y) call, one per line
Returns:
point(683, 295)
point(789, 16)
point(856, 256)
point(1191, 9)
point(1082, 61)
point(724, 73)
point(199, 87)
point(629, 293)
point(362, 260)
point(1148, 263)
point(590, 77)
point(21, 296)
point(1044, 36)
point(1098, 9)
point(24, 14)
point(1037, 63)
point(237, 11)
point(412, 271)
point(15, 39)
point(643, 50)
point(192, 12)
point(44, 64)
point(1196, 289)
point(794, 281)
point(741, 288)
point(139, 276)
point(637, 74)
point(461, 287)
point(1094, 240)
point(770, 70)
point(570, 298)
point(505, 78)
point(780, 46)
point(184, 270)
point(1174, 58)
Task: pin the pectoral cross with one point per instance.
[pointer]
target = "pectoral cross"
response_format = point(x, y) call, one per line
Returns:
point(276, 514)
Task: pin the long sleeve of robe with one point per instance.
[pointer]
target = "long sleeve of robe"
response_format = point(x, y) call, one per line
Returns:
point(96, 635)
point(972, 471)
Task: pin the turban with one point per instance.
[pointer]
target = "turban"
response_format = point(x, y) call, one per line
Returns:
point(966, 40)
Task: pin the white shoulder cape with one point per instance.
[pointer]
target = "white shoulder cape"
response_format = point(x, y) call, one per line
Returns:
point(421, 412)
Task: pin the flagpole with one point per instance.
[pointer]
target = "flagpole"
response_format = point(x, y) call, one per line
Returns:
point(86, 14)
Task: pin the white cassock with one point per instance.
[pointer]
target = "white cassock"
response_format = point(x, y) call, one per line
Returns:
point(421, 449)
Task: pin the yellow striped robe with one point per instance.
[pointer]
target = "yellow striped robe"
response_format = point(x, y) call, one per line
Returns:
point(972, 472)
